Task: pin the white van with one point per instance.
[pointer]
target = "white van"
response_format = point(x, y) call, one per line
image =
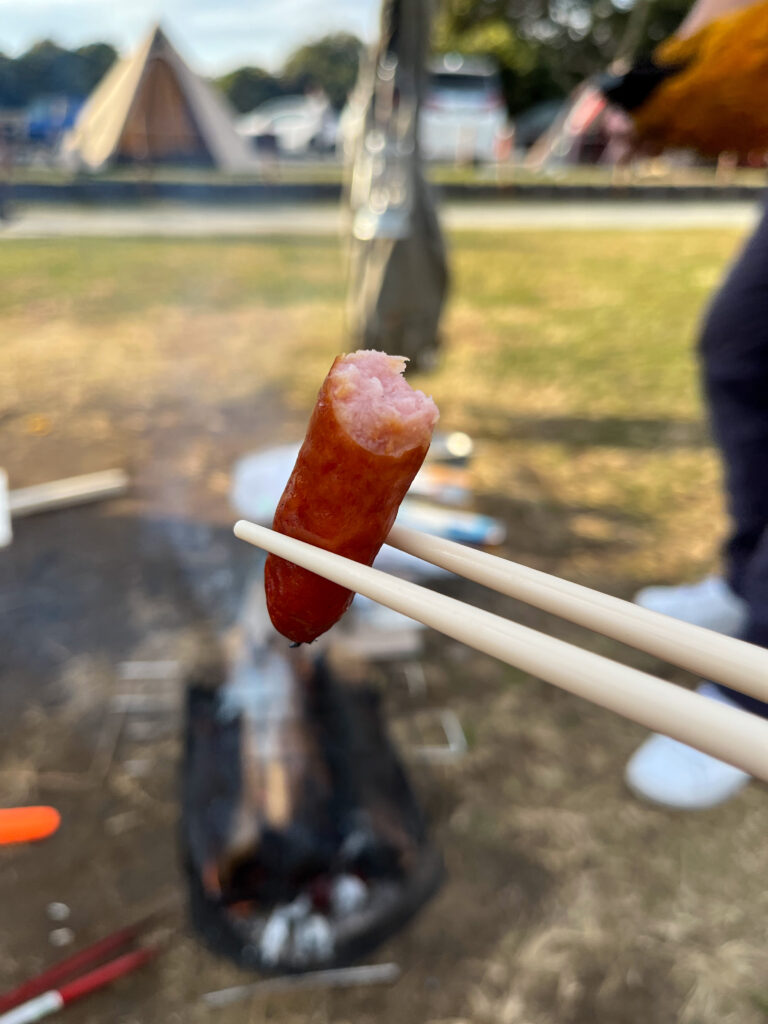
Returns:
point(464, 117)
point(292, 125)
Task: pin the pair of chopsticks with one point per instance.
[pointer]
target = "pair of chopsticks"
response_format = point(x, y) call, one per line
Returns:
point(725, 732)
point(62, 984)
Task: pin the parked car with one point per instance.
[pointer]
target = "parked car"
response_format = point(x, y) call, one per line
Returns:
point(464, 117)
point(292, 125)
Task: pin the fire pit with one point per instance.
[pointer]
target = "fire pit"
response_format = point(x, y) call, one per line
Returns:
point(304, 844)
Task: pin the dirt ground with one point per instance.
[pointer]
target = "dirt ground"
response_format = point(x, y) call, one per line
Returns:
point(566, 900)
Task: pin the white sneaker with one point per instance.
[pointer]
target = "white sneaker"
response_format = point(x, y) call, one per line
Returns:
point(710, 603)
point(672, 774)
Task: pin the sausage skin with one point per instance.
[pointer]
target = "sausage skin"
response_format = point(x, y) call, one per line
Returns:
point(341, 496)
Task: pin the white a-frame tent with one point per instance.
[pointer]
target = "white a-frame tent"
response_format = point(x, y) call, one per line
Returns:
point(151, 108)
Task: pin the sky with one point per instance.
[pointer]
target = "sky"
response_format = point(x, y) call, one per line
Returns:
point(214, 35)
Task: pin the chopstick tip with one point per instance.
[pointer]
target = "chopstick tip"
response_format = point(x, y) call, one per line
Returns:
point(240, 528)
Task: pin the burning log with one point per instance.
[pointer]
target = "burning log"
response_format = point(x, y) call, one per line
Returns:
point(304, 845)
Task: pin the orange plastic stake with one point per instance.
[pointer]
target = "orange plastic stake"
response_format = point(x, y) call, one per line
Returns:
point(25, 824)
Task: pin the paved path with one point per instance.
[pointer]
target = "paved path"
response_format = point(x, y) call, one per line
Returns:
point(178, 220)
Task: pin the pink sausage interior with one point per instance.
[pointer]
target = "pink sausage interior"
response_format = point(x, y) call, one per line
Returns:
point(377, 406)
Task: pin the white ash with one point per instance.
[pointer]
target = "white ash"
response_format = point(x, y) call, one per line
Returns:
point(275, 937)
point(348, 894)
point(313, 939)
point(293, 932)
point(299, 909)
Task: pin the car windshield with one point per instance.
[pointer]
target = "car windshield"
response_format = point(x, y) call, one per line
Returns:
point(288, 119)
point(461, 83)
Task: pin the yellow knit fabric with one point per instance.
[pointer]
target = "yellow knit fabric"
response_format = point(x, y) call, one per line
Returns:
point(719, 101)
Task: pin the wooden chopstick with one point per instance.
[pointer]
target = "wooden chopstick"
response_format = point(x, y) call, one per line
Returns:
point(721, 658)
point(727, 733)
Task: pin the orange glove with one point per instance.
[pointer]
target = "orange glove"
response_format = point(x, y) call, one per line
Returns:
point(705, 92)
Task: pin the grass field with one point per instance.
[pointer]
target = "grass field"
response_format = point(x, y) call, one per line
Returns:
point(568, 356)
point(569, 359)
point(331, 171)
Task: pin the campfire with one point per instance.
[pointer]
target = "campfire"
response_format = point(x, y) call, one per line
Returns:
point(305, 847)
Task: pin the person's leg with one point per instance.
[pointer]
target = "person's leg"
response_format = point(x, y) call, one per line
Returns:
point(734, 352)
point(754, 589)
point(734, 356)
point(734, 360)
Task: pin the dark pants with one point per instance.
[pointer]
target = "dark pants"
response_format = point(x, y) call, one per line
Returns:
point(734, 353)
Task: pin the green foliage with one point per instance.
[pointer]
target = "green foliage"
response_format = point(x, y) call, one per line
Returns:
point(330, 63)
point(10, 91)
point(47, 69)
point(249, 87)
point(543, 48)
point(546, 47)
point(526, 75)
point(95, 60)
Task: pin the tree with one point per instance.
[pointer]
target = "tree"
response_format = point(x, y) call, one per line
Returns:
point(545, 47)
point(528, 73)
point(10, 89)
point(330, 63)
point(47, 69)
point(247, 88)
point(95, 60)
